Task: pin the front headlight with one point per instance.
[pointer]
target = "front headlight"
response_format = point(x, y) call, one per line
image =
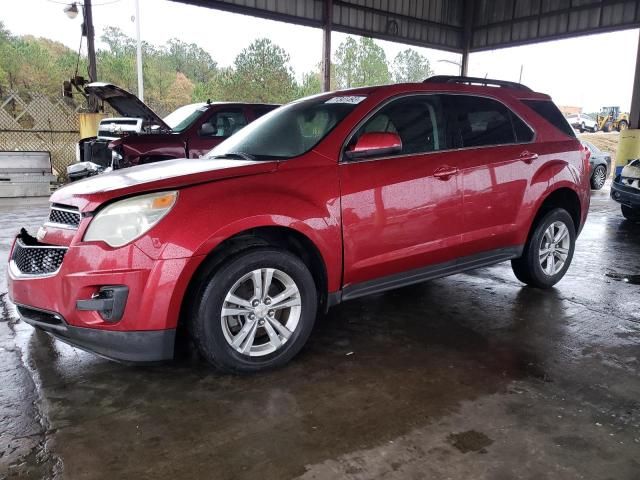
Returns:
point(125, 220)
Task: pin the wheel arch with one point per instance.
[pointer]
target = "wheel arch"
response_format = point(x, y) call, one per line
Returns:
point(277, 236)
point(562, 197)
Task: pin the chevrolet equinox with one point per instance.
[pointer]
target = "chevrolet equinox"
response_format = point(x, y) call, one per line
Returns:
point(323, 200)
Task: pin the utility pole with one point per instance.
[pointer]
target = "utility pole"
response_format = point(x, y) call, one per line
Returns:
point(88, 32)
point(326, 45)
point(139, 54)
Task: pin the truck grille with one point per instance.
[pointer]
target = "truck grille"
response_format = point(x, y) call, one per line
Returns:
point(64, 215)
point(37, 260)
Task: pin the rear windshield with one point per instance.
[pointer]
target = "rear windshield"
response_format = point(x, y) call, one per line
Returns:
point(548, 110)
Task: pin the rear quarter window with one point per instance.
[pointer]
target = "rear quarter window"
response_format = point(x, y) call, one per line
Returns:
point(547, 110)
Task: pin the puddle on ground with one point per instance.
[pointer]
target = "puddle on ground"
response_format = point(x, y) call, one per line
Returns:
point(470, 441)
point(624, 277)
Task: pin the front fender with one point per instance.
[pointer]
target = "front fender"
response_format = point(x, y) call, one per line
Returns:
point(206, 215)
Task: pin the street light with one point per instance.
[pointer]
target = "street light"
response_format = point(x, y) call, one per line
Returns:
point(71, 10)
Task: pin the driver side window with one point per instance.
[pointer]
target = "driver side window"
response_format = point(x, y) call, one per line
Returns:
point(416, 120)
point(223, 123)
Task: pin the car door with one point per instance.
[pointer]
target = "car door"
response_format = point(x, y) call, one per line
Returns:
point(400, 211)
point(214, 128)
point(496, 160)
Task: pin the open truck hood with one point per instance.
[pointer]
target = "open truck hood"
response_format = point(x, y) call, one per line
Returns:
point(90, 193)
point(125, 103)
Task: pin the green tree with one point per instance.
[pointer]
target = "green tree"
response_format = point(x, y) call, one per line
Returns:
point(361, 63)
point(260, 73)
point(311, 84)
point(190, 59)
point(410, 66)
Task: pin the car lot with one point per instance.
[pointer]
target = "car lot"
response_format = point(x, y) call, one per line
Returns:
point(472, 376)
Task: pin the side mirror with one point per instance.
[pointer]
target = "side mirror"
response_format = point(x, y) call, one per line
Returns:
point(375, 144)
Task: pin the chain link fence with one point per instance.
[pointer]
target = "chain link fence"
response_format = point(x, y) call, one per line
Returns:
point(34, 121)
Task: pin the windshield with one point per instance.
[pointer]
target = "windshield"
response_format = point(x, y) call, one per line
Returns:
point(181, 118)
point(289, 131)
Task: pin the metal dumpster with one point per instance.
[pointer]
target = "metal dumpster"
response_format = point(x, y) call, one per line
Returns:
point(25, 174)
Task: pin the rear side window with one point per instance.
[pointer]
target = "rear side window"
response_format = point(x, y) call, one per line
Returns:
point(548, 110)
point(479, 121)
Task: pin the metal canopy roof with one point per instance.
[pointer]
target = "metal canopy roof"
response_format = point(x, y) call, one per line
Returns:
point(449, 24)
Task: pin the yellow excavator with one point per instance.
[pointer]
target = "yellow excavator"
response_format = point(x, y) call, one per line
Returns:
point(610, 119)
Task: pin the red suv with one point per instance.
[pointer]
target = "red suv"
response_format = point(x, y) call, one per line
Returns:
point(326, 199)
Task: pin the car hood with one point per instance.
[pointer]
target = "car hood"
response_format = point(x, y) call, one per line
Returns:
point(88, 194)
point(125, 103)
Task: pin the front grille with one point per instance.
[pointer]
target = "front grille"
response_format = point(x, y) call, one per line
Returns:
point(64, 215)
point(40, 260)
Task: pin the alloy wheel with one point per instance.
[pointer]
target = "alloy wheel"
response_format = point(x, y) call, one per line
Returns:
point(554, 248)
point(260, 312)
point(599, 176)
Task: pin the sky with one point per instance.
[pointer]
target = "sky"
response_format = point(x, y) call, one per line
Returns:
point(589, 72)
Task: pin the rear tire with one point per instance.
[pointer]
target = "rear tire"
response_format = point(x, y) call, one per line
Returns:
point(631, 214)
point(240, 327)
point(548, 252)
point(598, 177)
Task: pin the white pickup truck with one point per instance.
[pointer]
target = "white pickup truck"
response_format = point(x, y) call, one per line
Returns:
point(92, 154)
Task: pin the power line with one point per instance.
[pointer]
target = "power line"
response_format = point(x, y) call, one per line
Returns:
point(80, 3)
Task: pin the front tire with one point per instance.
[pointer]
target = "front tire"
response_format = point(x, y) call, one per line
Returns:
point(598, 177)
point(631, 214)
point(255, 312)
point(622, 125)
point(548, 252)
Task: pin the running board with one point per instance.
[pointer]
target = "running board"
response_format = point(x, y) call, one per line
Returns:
point(426, 273)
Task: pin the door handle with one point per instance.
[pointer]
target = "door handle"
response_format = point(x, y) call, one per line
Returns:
point(445, 172)
point(528, 157)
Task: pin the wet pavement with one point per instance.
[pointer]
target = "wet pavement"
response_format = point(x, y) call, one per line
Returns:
point(469, 377)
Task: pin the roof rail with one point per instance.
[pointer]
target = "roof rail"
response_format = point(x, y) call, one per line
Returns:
point(476, 81)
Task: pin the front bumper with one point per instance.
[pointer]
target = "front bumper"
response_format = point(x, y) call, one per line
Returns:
point(625, 195)
point(134, 347)
point(79, 303)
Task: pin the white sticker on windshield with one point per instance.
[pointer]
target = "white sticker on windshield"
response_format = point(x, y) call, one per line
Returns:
point(352, 99)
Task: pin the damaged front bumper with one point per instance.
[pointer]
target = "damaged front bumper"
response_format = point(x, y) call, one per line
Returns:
point(117, 303)
point(625, 194)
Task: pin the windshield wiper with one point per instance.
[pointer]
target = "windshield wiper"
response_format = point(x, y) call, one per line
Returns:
point(236, 155)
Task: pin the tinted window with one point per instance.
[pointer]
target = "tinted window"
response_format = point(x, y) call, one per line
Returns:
point(548, 110)
point(223, 123)
point(183, 117)
point(478, 121)
point(259, 111)
point(416, 120)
